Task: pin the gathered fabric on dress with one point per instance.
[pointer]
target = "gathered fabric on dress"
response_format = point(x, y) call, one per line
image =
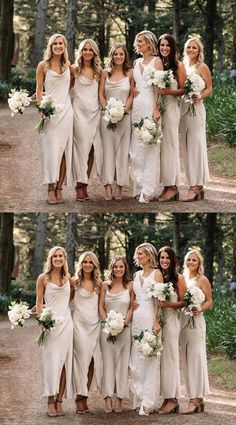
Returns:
point(86, 128)
point(145, 372)
point(58, 345)
point(193, 354)
point(170, 156)
point(116, 143)
point(58, 130)
point(86, 345)
point(193, 142)
point(116, 356)
point(170, 372)
point(145, 160)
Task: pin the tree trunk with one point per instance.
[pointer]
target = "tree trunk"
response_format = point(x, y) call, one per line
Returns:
point(210, 16)
point(176, 21)
point(6, 38)
point(220, 42)
point(40, 27)
point(6, 251)
point(71, 28)
point(39, 244)
point(219, 253)
point(234, 45)
point(71, 237)
point(209, 251)
point(176, 234)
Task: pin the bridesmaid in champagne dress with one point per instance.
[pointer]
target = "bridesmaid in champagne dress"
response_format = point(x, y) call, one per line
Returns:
point(53, 77)
point(193, 128)
point(170, 371)
point(86, 349)
point(116, 82)
point(145, 160)
point(193, 341)
point(87, 140)
point(170, 155)
point(145, 372)
point(117, 295)
point(54, 287)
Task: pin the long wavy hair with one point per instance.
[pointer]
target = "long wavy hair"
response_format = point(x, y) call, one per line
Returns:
point(48, 53)
point(126, 277)
point(151, 252)
point(96, 273)
point(200, 58)
point(170, 275)
point(171, 62)
point(96, 61)
point(49, 267)
point(110, 64)
point(200, 270)
point(150, 38)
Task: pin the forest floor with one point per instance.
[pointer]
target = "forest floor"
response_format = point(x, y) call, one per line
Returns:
point(21, 189)
point(21, 402)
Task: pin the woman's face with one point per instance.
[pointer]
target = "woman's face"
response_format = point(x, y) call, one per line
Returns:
point(193, 50)
point(142, 257)
point(164, 48)
point(87, 265)
point(58, 259)
point(164, 260)
point(142, 44)
point(193, 263)
point(87, 52)
point(58, 46)
point(119, 269)
point(118, 56)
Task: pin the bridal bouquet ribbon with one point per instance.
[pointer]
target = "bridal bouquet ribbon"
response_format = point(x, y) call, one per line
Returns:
point(18, 313)
point(18, 100)
point(194, 298)
point(47, 321)
point(148, 344)
point(161, 80)
point(148, 132)
point(113, 325)
point(48, 108)
point(193, 85)
point(113, 113)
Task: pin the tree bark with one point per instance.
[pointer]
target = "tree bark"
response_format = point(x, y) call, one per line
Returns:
point(71, 28)
point(39, 244)
point(176, 21)
point(211, 221)
point(40, 28)
point(6, 251)
point(71, 237)
point(6, 38)
point(210, 16)
point(234, 45)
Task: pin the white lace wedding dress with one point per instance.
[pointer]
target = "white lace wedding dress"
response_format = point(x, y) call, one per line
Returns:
point(145, 160)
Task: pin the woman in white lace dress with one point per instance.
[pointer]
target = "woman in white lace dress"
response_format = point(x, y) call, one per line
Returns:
point(117, 295)
point(145, 160)
point(193, 128)
point(145, 372)
point(87, 153)
point(170, 370)
point(86, 348)
point(193, 341)
point(54, 287)
point(53, 78)
point(170, 156)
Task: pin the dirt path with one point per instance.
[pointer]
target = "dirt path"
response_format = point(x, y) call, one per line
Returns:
point(21, 189)
point(21, 402)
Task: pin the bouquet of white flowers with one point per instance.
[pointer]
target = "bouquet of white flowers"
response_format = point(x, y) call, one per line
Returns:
point(18, 100)
point(148, 132)
point(113, 325)
point(194, 297)
point(193, 85)
point(17, 313)
point(47, 321)
point(48, 108)
point(113, 112)
point(160, 291)
point(160, 79)
point(148, 344)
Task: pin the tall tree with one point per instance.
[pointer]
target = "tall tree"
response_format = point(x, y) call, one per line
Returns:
point(209, 35)
point(176, 20)
point(40, 28)
point(39, 244)
point(71, 28)
point(210, 231)
point(234, 44)
point(71, 237)
point(6, 38)
point(6, 251)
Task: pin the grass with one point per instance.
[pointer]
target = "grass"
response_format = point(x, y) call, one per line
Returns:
point(223, 159)
point(222, 372)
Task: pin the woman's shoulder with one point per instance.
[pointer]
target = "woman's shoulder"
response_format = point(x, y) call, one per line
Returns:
point(42, 66)
point(203, 280)
point(42, 278)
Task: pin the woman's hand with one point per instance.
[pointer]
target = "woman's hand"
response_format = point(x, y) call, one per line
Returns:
point(156, 327)
point(156, 114)
point(135, 91)
point(196, 312)
point(163, 304)
point(135, 305)
point(164, 91)
point(196, 98)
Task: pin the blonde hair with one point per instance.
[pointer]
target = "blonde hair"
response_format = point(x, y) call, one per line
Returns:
point(96, 61)
point(200, 45)
point(48, 53)
point(150, 250)
point(200, 258)
point(96, 273)
point(48, 265)
point(150, 38)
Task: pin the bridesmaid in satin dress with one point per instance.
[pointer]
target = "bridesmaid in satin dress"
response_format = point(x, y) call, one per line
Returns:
point(53, 78)
point(54, 287)
point(193, 341)
point(193, 128)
